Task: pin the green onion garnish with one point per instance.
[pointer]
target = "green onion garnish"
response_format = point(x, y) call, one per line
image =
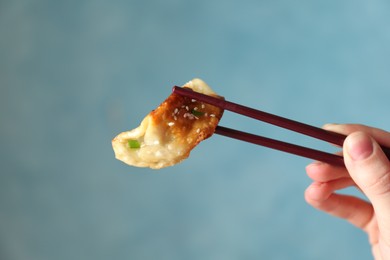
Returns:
point(197, 113)
point(134, 144)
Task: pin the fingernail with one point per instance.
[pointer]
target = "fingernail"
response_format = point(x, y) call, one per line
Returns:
point(359, 146)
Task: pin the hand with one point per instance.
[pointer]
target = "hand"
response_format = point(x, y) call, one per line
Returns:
point(368, 169)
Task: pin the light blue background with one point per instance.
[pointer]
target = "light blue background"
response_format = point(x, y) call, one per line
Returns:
point(73, 74)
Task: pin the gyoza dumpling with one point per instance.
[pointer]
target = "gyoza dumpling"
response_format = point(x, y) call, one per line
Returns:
point(167, 135)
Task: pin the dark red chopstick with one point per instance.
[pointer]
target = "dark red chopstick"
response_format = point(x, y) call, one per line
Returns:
point(316, 132)
point(295, 126)
point(281, 146)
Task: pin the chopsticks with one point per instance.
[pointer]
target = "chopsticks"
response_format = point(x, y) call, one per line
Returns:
point(281, 146)
point(282, 122)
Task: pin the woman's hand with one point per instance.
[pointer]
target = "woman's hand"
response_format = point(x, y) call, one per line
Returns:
point(368, 169)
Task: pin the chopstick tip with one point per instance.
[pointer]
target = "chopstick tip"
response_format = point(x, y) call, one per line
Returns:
point(183, 91)
point(174, 89)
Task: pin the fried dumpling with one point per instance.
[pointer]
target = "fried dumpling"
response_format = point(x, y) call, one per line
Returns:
point(167, 135)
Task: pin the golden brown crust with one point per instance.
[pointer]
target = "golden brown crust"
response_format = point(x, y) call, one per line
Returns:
point(187, 120)
point(169, 133)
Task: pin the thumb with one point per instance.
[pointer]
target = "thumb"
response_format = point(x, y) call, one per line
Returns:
point(370, 169)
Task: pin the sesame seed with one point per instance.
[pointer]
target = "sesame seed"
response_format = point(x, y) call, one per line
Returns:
point(176, 111)
point(212, 115)
point(189, 116)
point(175, 118)
point(171, 123)
point(195, 108)
point(198, 130)
point(193, 100)
point(187, 108)
point(202, 105)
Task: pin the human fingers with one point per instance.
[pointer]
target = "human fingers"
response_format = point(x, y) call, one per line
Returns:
point(381, 136)
point(356, 211)
point(320, 191)
point(323, 172)
point(370, 169)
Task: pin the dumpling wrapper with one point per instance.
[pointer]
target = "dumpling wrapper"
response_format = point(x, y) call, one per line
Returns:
point(167, 135)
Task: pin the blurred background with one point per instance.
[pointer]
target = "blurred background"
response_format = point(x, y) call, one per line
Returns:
point(73, 74)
